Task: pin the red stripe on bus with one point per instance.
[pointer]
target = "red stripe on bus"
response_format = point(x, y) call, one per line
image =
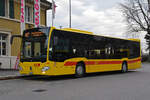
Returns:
point(133, 61)
point(90, 62)
point(70, 63)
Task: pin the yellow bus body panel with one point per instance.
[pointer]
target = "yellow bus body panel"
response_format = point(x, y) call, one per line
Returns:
point(68, 67)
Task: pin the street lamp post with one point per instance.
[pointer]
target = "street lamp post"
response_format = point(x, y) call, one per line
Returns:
point(148, 5)
point(69, 13)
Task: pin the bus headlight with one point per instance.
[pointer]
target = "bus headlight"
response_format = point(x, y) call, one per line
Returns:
point(45, 68)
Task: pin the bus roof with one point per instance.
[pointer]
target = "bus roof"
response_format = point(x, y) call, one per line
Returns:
point(76, 30)
point(138, 40)
point(91, 33)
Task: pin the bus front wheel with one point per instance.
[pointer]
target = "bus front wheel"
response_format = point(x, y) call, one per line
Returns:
point(124, 67)
point(80, 70)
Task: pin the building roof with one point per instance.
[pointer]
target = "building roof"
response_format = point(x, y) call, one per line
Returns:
point(47, 4)
point(44, 3)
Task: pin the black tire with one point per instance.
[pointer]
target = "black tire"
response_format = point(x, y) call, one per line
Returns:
point(124, 67)
point(80, 70)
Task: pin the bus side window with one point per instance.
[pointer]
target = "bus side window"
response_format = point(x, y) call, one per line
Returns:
point(109, 51)
point(134, 50)
point(55, 40)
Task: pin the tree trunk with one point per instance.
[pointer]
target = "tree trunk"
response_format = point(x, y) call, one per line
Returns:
point(149, 56)
point(147, 37)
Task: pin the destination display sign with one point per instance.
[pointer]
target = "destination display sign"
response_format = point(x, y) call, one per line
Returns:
point(34, 34)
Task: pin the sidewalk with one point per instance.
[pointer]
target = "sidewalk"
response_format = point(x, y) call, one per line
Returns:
point(9, 74)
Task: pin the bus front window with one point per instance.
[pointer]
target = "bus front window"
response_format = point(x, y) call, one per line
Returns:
point(27, 51)
point(34, 46)
point(37, 49)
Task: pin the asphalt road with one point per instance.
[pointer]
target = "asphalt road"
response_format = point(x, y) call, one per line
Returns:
point(134, 85)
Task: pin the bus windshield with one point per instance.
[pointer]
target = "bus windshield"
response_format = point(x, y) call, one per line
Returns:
point(34, 45)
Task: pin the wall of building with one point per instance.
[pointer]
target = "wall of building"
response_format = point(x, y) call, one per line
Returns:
point(43, 17)
point(7, 62)
point(11, 27)
point(17, 10)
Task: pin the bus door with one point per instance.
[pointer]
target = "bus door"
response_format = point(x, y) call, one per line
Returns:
point(59, 51)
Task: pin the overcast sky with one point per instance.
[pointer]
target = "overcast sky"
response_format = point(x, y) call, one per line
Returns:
point(101, 17)
point(98, 16)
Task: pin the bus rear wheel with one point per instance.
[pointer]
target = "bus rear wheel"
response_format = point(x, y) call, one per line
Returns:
point(80, 70)
point(124, 67)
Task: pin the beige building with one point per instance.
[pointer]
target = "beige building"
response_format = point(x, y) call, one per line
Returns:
point(10, 24)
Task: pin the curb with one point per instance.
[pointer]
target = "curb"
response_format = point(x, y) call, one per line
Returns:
point(9, 69)
point(10, 77)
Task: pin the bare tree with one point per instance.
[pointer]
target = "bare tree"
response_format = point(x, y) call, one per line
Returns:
point(137, 14)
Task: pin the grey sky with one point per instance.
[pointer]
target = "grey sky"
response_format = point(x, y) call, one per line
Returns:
point(103, 4)
point(99, 16)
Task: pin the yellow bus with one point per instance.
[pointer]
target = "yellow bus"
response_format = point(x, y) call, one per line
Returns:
point(51, 51)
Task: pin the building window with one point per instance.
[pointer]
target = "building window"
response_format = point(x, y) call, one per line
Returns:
point(3, 44)
point(11, 8)
point(28, 14)
point(7, 8)
point(2, 7)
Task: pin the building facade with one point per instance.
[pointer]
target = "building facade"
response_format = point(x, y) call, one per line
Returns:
point(10, 24)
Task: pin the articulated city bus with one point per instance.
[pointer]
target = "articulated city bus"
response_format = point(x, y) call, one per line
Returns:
point(51, 51)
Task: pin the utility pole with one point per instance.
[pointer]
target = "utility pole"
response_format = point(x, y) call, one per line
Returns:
point(148, 5)
point(69, 13)
point(148, 1)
